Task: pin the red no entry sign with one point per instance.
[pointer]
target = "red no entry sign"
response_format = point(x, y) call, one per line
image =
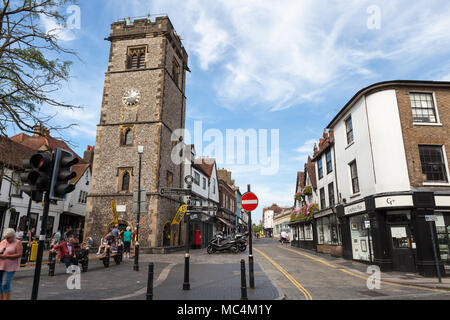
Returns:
point(249, 201)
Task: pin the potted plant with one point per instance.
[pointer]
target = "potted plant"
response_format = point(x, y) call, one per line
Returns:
point(307, 190)
point(298, 196)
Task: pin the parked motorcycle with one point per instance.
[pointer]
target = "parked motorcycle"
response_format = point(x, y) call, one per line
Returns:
point(241, 240)
point(221, 243)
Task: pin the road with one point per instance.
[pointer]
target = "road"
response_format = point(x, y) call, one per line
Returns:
point(304, 275)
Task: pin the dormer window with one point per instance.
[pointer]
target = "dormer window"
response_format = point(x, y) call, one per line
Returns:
point(136, 58)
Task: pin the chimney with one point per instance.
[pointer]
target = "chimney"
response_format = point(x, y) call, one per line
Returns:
point(89, 154)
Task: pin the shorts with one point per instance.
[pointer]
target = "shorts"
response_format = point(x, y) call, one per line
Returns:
point(126, 246)
point(5, 281)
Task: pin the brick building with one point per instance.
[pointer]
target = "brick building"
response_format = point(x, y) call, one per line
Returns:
point(226, 215)
point(143, 103)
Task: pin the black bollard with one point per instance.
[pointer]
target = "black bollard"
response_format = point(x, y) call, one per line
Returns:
point(150, 282)
point(243, 282)
point(186, 284)
point(107, 257)
point(250, 272)
point(52, 264)
point(120, 252)
point(85, 262)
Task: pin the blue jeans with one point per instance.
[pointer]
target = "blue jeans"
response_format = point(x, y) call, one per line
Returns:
point(5, 281)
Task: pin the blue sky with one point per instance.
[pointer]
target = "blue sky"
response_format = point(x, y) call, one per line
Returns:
point(287, 65)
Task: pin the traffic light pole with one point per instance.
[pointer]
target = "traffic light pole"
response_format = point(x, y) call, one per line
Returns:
point(250, 249)
point(42, 235)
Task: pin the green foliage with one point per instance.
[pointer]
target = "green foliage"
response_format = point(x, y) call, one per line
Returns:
point(307, 190)
point(31, 69)
point(256, 228)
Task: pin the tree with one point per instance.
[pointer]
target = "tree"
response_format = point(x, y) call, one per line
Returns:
point(29, 71)
point(257, 228)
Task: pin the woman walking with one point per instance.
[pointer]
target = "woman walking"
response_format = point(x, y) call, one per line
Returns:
point(10, 254)
point(127, 242)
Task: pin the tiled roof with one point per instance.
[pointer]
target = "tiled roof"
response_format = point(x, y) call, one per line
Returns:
point(311, 170)
point(13, 153)
point(274, 207)
point(206, 165)
point(79, 169)
point(45, 143)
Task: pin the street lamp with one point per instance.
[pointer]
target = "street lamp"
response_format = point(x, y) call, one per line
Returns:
point(136, 249)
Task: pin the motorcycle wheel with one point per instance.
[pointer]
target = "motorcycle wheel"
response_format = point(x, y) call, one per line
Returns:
point(234, 249)
point(243, 248)
point(210, 249)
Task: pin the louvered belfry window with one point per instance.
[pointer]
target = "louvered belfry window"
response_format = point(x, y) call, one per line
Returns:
point(136, 58)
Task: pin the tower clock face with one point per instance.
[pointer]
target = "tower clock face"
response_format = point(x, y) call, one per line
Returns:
point(131, 97)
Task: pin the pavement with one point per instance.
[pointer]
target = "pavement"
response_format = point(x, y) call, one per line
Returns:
point(306, 275)
point(212, 277)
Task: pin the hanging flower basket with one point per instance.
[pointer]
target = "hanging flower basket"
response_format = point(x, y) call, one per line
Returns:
point(298, 196)
point(307, 190)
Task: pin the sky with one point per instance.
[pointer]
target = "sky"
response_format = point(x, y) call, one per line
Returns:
point(275, 65)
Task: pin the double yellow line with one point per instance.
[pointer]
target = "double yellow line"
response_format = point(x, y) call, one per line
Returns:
point(361, 276)
point(287, 275)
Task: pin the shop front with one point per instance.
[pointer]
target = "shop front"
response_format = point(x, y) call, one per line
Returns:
point(303, 234)
point(201, 229)
point(393, 232)
point(328, 233)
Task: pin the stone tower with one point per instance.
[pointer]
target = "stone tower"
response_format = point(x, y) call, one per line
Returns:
point(143, 103)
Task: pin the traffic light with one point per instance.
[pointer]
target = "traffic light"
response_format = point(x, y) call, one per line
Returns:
point(62, 174)
point(36, 177)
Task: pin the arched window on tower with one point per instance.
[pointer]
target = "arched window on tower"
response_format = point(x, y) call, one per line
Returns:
point(126, 182)
point(136, 58)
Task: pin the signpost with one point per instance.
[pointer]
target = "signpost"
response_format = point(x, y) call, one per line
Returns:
point(249, 202)
point(202, 208)
point(174, 191)
point(430, 219)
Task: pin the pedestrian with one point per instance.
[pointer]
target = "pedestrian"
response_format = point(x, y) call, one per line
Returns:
point(284, 237)
point(66, 252)
point(127, 242)
point(68, 234)
point(103, 245)
point(56, 239)
point(19, 234)
point(116, 232)
point(10, 255)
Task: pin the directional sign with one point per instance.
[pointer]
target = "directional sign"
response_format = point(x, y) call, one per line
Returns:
point(172, 191)
point(249, 201)
point(431, 218)
point(202, 208)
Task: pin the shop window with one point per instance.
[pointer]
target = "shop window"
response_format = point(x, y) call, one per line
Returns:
point(423, 108)
point(400, 239)
point(349, 130)
point(204, 183)
point(354, 177)
point(360, 238)
point(433, 165)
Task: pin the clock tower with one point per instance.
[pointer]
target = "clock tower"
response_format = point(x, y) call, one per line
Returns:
point(143, 103)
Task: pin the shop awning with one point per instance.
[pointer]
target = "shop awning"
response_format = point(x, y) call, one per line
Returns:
point(225, 222)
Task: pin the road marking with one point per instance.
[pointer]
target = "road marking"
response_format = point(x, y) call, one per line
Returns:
point(162, 277)
point(363, 277)
point(287, 275)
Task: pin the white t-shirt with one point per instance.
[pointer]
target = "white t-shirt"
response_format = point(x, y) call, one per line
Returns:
point(284, 234)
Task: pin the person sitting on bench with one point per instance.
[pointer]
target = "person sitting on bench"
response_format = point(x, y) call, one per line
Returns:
point(103, 245)
point(66, 252)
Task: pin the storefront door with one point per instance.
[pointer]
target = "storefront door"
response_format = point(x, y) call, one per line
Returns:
point(402, 250)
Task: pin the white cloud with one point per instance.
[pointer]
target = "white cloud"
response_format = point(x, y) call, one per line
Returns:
point(52, 27)
point(284, 54)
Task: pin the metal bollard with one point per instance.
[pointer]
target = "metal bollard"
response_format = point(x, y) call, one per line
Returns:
point(52, 264)
point(243, 282)
point(250, 272)
point(150, 282)
point(120, 252)
point(107, 257)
